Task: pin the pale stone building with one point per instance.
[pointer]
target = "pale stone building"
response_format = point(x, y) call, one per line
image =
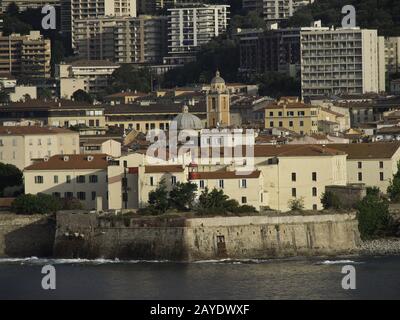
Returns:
point(218, 103)
point(22, 144)
point(372, 164)
point(83, 177)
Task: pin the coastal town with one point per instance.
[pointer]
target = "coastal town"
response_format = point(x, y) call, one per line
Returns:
point(105, 115)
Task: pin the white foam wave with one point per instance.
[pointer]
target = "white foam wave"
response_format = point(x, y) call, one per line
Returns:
point(329, 262)
point(100, 261)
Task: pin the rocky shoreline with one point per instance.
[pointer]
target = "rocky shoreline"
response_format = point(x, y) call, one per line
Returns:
point(380, 247)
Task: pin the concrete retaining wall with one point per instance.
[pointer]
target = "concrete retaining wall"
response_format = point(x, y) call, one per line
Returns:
point(26, 236)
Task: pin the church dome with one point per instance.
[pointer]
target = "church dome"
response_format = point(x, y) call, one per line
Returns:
point(217, 79)
point(187, 121)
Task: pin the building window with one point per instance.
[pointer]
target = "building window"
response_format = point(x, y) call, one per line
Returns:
point(271, 113)
point(315, 207)
point(55, 179)
point(243, 183)
point(294, 193)
point(271, 124)
point(93, 179)
point(81, 195)
point(173, 180)
point(314, 191)
point(39, 142)
point(93, 195)
point(68, 179)
point(360, 176)
point(80, 179)
point(381, 176)
point(314, 176)
point(293, 176)
point(68, 195)
point(38, 179)
point(151, 181)
point(290, 123)
point(280, 124)
point(221, 183)
point(280, 113)
point(359, 165)
point(201, 184)
point(381, 164)
point(244, 199)
point(301, 123)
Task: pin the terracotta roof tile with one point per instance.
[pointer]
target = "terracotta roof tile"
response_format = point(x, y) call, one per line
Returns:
point(377, 150)
point(163, 169)
point(71, 162)
point(29, 130)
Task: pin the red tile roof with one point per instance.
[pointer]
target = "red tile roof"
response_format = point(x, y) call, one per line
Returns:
point(28, 130)
point(71, 162)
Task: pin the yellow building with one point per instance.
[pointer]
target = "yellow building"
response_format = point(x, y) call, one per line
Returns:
point(290, 113)
point(218, 103)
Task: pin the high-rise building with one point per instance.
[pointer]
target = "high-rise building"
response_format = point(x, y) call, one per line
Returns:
point(335, 61)
point(25, 56)
point(392, 55)
point(72, 10)
point(270, 51)
point(275, 10)
point(189, 27)
point(122, 39)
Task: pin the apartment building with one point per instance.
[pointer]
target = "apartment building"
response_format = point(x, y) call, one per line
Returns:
point(192, 26)
point(143, 118)
point(270, 51)
point(291, 114)
point(392, 55)
point(25, 56)
point(72, 10)
point(335, 61)
point(122, 39)
point(95, 74)
point(141, 40)
point(60, 113)
point(83, 177)
point(21, 145)
point(275, 10)
point(372, 164)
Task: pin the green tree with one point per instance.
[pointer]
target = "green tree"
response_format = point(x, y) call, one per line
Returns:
point(330, 200)
point(10, 176)
point(158, 198)
point(296, 204)
point(4, 97)
point(36, 204)
point(128, 77)
point(373, 216)
point(82, 96)
point(394, 187)
point(276, 85)
point(182, 196)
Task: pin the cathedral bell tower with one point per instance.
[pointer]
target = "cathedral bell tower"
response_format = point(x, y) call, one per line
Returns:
point(218, 103)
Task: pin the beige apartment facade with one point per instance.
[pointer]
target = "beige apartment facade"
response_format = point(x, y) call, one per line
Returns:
point(21, 145)
point(372, 164)
point(291, 114)
point(335, 61)
point(26, 56)
point(83, 177)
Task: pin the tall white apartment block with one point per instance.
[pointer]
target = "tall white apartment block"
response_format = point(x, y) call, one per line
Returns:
point(72, 10)
point(335, 61)
point(392, 54)
point(192, 26)
point(275, 10)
